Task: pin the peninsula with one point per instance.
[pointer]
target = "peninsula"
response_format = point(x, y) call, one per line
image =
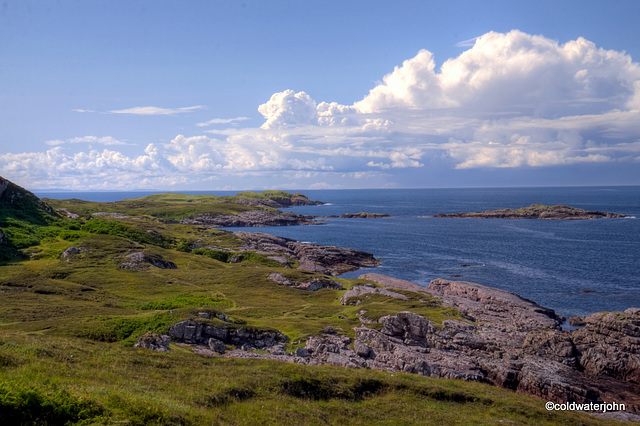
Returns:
point(535, 211)
point(139, 312)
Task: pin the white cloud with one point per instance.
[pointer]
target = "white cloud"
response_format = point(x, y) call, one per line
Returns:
point(222, 121)
point(152, 110)
point(288, 108)
point(510, 101)
point(513, 70)
point(105, 140)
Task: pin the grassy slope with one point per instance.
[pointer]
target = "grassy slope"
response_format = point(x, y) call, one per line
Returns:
point(67, 330)
point(169, 205)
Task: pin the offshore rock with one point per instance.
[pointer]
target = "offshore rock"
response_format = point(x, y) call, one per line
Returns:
point(311, 257)
point(364, 215)
point(535, 211)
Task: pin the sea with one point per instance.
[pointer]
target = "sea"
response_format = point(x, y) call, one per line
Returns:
point(575, 267)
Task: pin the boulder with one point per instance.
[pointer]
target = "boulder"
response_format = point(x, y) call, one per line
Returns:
point(71, 251)
point(313, 284)
point(140, 261)
point(155, 342)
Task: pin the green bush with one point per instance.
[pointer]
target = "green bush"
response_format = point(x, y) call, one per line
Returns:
point(20, 405)
point(183, 246)
point(115, 329)
point(71, 235)
point(119, 229)
point(219, 255)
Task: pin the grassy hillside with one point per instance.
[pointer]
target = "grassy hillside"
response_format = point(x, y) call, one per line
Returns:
point(68, 325)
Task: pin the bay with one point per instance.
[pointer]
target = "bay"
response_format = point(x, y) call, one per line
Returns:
point(574, 267)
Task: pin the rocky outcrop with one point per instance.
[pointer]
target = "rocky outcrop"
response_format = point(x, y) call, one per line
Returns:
point(502, 339)
point(313, 284)
point(311, 257)
point(252, 218)
point(212, 336)
point(364, 215)
point(369, 289)
point(140, 261)
point(507, 340)
point(609, 344)
point(276, 201)
point(536, 211)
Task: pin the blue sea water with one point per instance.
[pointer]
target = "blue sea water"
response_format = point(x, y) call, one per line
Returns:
point(574, 267)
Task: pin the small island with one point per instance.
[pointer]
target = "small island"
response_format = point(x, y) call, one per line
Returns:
point(536, 211)
point(364, 215)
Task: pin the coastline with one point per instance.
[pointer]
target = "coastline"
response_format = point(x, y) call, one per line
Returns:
point(500, 338)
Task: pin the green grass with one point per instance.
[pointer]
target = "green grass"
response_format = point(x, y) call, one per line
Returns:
point(71, 380)
point(186, 300)
point(67, 329)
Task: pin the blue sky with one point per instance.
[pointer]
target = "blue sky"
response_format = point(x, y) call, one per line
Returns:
point(204, 95)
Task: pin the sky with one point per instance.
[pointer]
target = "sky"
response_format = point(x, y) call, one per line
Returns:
point(232, 95)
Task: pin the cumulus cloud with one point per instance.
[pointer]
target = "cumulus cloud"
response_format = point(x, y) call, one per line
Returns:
point(288, 108)
point(152, 110)
point(512, 72)
point(510, 101)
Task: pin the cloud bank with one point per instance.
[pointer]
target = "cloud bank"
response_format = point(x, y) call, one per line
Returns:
point(511, 101)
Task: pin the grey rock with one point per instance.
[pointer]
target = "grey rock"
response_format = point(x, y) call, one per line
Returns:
point(302, 352)
point(314, 284)
point(252, 218)
point(366, 289)
point(140, 261)
point(216, 345)
point(311, 257)
point(72, 251)
point(197, 333)
point(155, 342)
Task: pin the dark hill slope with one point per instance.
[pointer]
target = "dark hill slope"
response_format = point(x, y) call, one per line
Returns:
point(20, 204)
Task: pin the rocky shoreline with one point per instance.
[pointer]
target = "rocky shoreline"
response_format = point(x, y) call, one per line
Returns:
point(502, 339)
point(535, 211)
point(252, 218)
point(310, 257)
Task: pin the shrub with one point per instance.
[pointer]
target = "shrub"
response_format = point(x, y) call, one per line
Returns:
point(29, 406)
point(119, 229)
point(114, 329)
point(219, 255)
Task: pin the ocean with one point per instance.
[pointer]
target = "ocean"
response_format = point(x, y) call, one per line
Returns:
point(574, 267)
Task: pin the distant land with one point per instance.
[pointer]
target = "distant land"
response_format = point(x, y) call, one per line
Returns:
point(536, 211)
